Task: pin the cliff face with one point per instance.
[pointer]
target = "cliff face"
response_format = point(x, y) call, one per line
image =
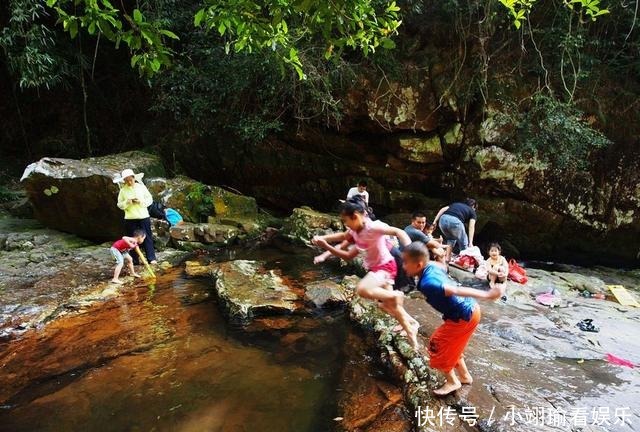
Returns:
point(449, 114)
point(418, 152)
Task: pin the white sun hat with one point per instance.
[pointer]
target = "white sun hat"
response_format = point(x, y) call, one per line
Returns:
point(128, 173)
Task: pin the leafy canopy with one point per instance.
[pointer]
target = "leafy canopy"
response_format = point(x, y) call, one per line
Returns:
point(145, 39)
point(279, 25)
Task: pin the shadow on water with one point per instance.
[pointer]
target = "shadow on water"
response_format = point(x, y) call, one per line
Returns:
point(164, 358)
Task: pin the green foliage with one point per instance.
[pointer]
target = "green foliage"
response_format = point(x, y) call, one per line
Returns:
point(558, 133)
point(8, 195)
point(283, 26)
point(200, 201)
point(520, 9)
point(30, 46)
point(145, 39)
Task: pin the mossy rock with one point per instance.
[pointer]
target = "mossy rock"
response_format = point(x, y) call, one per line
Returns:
point(304, 223)
point(197, 201)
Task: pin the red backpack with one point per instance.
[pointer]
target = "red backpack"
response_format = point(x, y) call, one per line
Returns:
point(517, 273)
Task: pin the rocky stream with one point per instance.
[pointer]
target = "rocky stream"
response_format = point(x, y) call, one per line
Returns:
point(240, 331)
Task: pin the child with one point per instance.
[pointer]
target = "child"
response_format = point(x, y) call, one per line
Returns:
point(497, 268)
point(173, 217)
point(459, 310)
point(120, 251)
point(370, 236)
point(157, 210)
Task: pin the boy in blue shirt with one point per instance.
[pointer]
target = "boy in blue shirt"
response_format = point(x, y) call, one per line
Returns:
point(460, 312)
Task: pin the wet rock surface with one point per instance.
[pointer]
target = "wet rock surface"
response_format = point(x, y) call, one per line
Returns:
point(246, 290)
point(327, 294)
point(525, 356)
point(46, 273)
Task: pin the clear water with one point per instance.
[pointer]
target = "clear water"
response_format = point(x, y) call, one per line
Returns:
point(163, 358)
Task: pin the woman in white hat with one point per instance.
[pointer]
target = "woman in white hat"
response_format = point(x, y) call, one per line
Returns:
point(134, 198)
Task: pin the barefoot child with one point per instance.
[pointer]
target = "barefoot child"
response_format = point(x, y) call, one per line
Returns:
point(120, 251)
point(459, 310)
point(497, 268)
point(370, 236)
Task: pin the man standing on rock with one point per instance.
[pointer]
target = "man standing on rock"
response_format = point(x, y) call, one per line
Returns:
point(133, 199)
point(451, 221)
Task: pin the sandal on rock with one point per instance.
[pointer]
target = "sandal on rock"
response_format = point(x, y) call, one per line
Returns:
point(588, 326)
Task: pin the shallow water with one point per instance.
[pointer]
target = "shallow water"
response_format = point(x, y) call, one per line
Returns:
point(163, 358)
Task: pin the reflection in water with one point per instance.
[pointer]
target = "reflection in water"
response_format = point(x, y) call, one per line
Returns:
point(164, 359)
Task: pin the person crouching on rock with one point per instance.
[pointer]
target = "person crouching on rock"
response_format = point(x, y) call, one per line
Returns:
point(370, 236)
point(120, 251)
point(133, 199)
point(459, 310)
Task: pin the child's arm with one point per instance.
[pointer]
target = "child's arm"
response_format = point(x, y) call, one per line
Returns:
point(504, 267)
point(402, 236)
point(130, 241)
point(492, 294)
point(326, 254)
point(440, 213)
point(331, 238)
point(346, 255)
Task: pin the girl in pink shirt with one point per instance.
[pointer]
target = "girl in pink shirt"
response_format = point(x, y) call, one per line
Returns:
point(370, 237)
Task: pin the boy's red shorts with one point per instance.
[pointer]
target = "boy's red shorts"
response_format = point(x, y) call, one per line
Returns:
point(449, 341)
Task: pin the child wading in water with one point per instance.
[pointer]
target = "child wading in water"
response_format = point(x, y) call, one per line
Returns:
point(370, 236)
point(120, 251)
point(459, 310)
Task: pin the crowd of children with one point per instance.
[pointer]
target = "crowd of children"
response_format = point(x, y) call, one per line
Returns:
point(426, 259)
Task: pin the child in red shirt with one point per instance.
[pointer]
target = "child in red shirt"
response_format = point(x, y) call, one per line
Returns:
point(120, 251)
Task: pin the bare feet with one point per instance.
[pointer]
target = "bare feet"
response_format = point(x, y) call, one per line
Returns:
point(154, 262)
point(447, 388)
point(117, 281)
point(319, 259)
point(136, 275)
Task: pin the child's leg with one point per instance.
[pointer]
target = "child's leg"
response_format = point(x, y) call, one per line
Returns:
point(322, 257)
point(117, 255)
point(132, 269)
point(116, 273)
point(462, 371)
point(370, 287)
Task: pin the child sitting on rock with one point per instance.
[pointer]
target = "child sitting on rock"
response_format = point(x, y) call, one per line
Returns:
point(371, 237)
point(459, 310)
point(496, 268)
point(120, 251)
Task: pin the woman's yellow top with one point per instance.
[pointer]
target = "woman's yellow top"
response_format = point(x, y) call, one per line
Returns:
point(134, 210)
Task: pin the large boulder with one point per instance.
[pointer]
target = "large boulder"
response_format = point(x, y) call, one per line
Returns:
point(304, 223)
point(246, 290)
point(79, 196)
point(197, 201)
